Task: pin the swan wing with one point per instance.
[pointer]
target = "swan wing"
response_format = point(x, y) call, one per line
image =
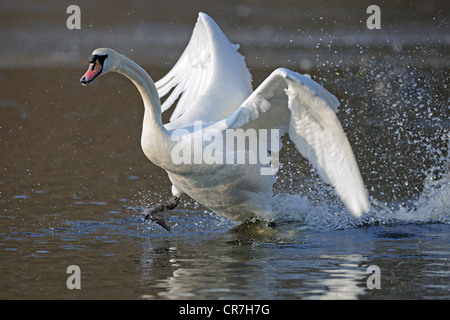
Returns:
point(298, 105)
point(211, 77)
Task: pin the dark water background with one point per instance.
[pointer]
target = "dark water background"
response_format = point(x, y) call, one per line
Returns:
point(71, 157)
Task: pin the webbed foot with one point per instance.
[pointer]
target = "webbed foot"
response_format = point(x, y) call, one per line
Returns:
point(158, 213)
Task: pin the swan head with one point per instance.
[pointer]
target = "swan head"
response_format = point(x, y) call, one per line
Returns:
point(101, 61)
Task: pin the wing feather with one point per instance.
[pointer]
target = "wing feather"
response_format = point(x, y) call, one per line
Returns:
point(210, 79)
point(297, 104)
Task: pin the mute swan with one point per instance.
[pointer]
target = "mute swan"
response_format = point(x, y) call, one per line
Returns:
point(216, 94)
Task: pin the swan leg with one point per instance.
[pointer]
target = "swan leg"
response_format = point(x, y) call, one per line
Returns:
point(158, 213)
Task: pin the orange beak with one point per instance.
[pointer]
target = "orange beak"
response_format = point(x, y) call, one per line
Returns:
point(95, 68)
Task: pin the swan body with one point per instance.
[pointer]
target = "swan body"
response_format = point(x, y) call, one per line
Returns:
point(217, 98)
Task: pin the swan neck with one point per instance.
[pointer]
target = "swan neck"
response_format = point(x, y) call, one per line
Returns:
point(155, 139)
point(144, 84)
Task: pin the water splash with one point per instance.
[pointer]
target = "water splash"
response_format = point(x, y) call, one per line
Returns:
point(395, 112)
point(430, 207)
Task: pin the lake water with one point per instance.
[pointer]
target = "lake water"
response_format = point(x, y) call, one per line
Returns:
point(71, 157)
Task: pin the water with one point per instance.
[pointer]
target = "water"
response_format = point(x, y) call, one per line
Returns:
point(71, 159)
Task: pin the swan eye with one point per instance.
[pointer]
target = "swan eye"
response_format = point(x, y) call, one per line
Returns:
point(100, 58)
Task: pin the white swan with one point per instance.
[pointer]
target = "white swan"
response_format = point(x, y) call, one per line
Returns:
point(215, 88)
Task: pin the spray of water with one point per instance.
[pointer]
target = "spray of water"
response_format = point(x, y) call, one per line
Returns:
point(397, 119)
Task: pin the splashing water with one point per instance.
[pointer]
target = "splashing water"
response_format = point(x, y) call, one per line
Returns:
point(396, 118)
point(431, 207)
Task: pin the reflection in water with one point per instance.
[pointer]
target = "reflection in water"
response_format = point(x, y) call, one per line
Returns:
point(227, 265)
point(344, 282)
point(241, 268)
point(216, 269)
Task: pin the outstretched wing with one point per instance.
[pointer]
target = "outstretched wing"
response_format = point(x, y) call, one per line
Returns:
point(300, 106)
point(211, 77)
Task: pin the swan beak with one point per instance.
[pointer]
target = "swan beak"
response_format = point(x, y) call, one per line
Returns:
point(95, 68)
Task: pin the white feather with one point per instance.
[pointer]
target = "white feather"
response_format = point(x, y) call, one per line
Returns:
point(309, 112)
point(211, 77)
